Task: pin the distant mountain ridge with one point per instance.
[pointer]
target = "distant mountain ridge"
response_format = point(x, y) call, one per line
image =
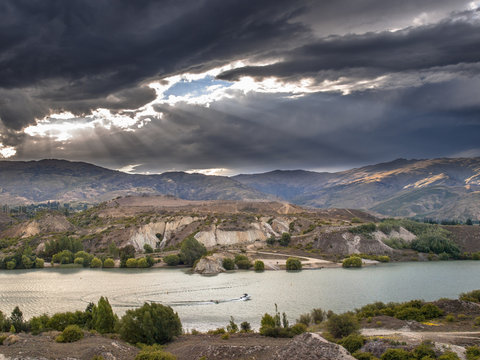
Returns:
point(444, 188)
point(440, 188)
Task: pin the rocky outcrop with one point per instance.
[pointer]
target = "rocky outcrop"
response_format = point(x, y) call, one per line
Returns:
point(402, 233)
point(209, 265)
point(312, 346)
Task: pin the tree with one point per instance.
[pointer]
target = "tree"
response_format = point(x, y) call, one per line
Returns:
point(96, 263)
point(16, 319)
point(259, 265)
point(109, 263)
point(352, 261)
point(127, 252)
point(191, 250)
point(152, 323)
point(228, 264)
point(469, 222)
point(294, 264)
point(172, 260)
point(103, 319)
point(285, 239)
point(131, 263)
point(148, 249)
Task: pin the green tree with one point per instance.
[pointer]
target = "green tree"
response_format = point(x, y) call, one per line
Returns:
point(191, 250)
point(96, 263)
point(152, 323)
point(228, 264)
point(39, 263)
point(352, 262)
point(71, 333)
point(16, 319)
point(294, 264)
point(148, 249)
point(259, 265)
point(172, 260)
point(125, 253)
point(103, 319)
point(285, 239)
point(131, 263)
point(109, 263)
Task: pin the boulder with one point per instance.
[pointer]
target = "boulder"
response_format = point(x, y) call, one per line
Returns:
point(209, 265)
point(10, 340)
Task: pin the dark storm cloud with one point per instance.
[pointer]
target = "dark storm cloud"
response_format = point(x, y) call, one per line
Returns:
point(71, 55)
point(258, 132)
point(449, 42)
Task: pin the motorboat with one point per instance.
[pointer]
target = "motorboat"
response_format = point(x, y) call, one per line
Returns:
point(245, 297)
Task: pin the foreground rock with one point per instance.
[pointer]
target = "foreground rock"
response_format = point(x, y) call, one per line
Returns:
point(312, 346)
point(43, 346)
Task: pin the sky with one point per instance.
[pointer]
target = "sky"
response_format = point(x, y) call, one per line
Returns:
point(232, 86)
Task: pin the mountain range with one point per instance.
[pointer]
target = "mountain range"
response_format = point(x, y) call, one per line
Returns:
point(445, 188)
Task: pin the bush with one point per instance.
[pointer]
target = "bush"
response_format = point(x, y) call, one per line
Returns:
point(352, 262)
point(342, 325)
point(63, 257)
point(242, 262)
point(148, 249)
point(225, 336)
point(191, 250)
point(109, 263)
point(473, 296)
point(298, 329)
point(38, 324)
point(131, 263)
point(396, 243)
point(396, 354)
point(305, 319)
point(267, 322)
point(39, 263)
point(11, 264)
point(259, 265)
point(436, 241)
point(228, 264)
point(352, 342)
point(285, 239)
point(70, 334)
point(365, 229)
point(318, 315)
point(142, 263)
point(448, 355)
point(172, 260)
point(473, 352)
point(450, 318)
point(96, 263)
point(245, 326)
point(424, 350)
point(294, 264)
point(152, 323)
point(271, 240)
point(78, 261)
point(217, 331)
point(155, 355)
point(232, 327)
point(359, 355)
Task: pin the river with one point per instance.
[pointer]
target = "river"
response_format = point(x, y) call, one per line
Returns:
point(54, 290)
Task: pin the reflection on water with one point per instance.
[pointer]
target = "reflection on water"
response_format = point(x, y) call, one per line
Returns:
point(207, 302)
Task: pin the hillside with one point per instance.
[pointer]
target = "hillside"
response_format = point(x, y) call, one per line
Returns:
point(438, 188)
point(65, 181)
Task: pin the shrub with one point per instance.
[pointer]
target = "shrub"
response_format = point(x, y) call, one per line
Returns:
point(450, 318)
point(39, 263)
point(294, 264)
point(228, 264)
point(476, 321)
point(86, 257)
point(148, 249)
point(155, 355)
point(298, 329)
point(70, 334)
point(259, 265)
point(242, 262)
point(472, 352)
point(396, 243)
point(435, 240)
point(96, 263)
point(267, 322)
point(271, 240)
point(63, 257)
point(396, 354)
point(448, 355)
point(365, 229)
point(245, 326)
point(356, 220)
point(172, 260)
point(11, 264)
point(352, 342)
point(131, 263)
point(38, 324)
point(342, 325)
point(473, 296)
point(16, 319)
point(142, 263)
point(352, 262)
point(304, 319)
point(152, 323)
point(217, 331)
point(191, 250)
point(232, 327)
point(359, 355)
point(78, 261)
point(285, 239)
point(431, 311)
point(424, 350)
point(109, 263)
point(318, 315)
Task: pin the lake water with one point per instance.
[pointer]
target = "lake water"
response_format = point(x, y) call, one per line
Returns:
point(55, 290)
